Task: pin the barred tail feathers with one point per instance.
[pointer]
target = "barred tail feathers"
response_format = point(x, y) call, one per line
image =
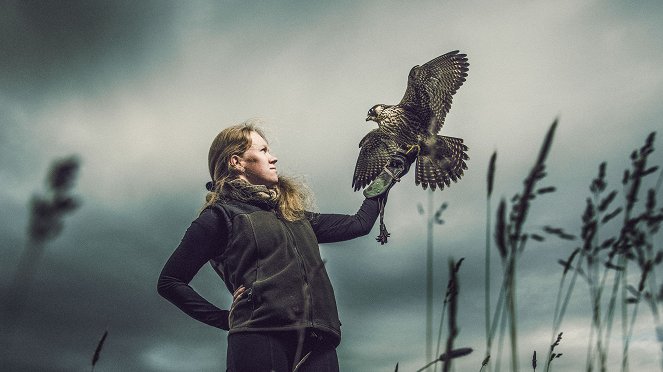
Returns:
point(442, 161)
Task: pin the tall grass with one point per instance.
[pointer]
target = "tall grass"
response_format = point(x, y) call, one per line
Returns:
point(490, 180)
point(608, 251)
point(511, 240)
point(615, 257)
point(47, 212)
point(97, 351)
point(450, 301)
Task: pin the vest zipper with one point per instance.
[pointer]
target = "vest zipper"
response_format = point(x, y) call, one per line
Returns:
point(307, 287)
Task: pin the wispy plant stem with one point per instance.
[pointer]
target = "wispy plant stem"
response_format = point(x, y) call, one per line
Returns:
point(27, 266)
point(487, 262)
point(439, 332)
point(624, 310)
point(606, 325)
point(46, 222)
point(487, 288)
point(627, 341)
point(453, 310)
point(589, 362)
point(560, 309)
point(502, 323)
point(498, 314)
point(429, 279)
point(511, 310)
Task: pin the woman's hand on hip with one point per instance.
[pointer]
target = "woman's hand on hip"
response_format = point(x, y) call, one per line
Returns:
point(237, 295)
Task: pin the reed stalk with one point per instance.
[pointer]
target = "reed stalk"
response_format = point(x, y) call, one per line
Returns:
point(47, 212)
point(97, 351)
point(451, 301)
point(487, 262)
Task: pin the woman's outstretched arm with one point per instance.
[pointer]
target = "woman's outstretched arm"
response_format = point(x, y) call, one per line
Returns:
point(331, 228)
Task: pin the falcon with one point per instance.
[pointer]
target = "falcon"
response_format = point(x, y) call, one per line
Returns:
point(414, 124)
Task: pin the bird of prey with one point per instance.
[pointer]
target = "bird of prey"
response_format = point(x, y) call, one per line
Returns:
point(413, 125)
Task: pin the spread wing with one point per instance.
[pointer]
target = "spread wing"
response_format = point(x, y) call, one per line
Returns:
point(431, 86)
point(376, 149)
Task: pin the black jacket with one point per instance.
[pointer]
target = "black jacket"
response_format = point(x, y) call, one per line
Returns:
point(277, 261)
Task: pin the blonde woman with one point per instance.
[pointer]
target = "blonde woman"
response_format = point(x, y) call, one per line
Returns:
point(257, 232)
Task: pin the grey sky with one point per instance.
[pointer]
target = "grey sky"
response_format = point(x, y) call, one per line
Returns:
point(140, 89)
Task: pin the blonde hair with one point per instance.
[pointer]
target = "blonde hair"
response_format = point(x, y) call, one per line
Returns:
point(294, 197)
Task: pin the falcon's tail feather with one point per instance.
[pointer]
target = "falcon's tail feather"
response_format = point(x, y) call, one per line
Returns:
point(441, 162)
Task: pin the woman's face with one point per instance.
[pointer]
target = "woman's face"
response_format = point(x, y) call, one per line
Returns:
point(258, 164)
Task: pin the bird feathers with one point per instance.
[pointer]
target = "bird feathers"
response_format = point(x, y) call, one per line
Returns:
point(415, 123)
point(440, 162)
point(430, 87)
point(376, 150)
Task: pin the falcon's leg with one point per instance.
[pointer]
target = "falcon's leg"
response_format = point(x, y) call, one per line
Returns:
point(384, 234)
point(412, 147)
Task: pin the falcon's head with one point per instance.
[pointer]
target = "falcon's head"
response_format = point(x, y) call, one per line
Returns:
point(375, 112)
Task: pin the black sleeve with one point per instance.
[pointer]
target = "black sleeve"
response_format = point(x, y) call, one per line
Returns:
point(331, 228)
point(197, 247)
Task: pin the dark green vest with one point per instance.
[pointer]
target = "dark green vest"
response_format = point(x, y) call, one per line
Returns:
point(279, 264)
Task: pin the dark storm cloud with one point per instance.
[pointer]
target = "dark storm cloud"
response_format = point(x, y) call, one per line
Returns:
point(139, 89)
point(101, 275)
point(58, 46)
point(51, 50)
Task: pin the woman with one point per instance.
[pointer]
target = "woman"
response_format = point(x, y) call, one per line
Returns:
point(257, 233)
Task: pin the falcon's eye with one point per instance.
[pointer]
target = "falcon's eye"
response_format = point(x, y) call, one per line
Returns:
point(371, 112)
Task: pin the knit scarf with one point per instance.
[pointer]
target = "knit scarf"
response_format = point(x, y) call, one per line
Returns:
point(260, 195)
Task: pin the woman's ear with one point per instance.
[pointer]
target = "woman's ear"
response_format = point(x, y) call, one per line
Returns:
point(235, 162)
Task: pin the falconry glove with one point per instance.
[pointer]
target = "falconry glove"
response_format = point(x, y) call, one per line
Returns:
point(398, 166)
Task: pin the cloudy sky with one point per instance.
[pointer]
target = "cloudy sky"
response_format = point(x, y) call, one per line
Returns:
point(139, 90)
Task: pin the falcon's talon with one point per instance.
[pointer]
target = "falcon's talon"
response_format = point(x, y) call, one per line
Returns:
point(384, 234)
